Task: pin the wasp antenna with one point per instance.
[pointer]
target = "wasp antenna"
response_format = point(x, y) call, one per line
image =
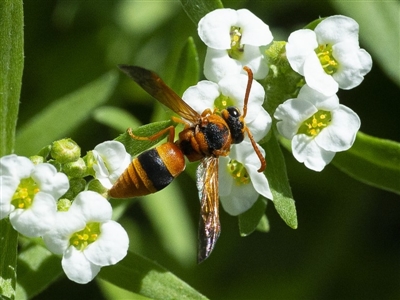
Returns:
point(258, 152)
point(248, 88)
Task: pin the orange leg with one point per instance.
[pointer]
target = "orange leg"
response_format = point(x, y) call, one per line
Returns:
point(170, 129)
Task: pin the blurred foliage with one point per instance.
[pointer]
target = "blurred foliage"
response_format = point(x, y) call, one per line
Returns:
point(347, 243)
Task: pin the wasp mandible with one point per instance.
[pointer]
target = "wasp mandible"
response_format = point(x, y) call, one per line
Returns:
point(205, 137)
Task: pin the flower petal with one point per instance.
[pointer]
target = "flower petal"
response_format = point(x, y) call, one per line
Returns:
point(255, 31)
point(319, 100)
point(92, 206)
point(214, 28)
point(317, 78)
point(77, 267)
point(66, 224)
point(307, 151)
point(8, 186)
point(261, 125)
point(17, 166)
point(49, 180)
point(341, 133)
point(111, 245)
point(255, 60)
point(337, 28)
point(202, 95)
point(112, 160)
point(36, 220)
point(292, 113)
point(240, 199)
point(301, 44)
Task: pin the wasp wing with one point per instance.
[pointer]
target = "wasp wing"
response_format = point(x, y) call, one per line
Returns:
point(157, 88)
point(209, 225)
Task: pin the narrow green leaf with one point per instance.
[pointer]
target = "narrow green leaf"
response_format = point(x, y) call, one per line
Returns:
point(8, 259)
point(140, 275)
point(175, 230)
point(64, 115)
point(249, 220)
point(11, 66)
point(136, 146)
point(188, 69)
point(115, 117)
point(372, 161)
point(37, 269)
point(198, 9)
point(279, 183)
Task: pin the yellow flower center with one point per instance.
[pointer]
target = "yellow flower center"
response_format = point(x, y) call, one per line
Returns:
point(81, 239)
point(313, 125)
point(236, 51)
point(328, 62)
point(238, 172)
point(222, 102)
point(24, 194)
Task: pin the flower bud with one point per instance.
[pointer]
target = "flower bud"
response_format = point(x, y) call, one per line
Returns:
point(65, 150)
point(75, 169)
point(37, 159)
point(63, 204)
point(77, 185)
point(97, 187)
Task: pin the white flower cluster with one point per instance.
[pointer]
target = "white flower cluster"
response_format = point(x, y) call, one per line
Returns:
point(82, 233)
point(235, 39)
point(329, 57)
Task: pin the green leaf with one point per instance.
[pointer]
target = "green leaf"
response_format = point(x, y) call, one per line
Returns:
point(140, 275)
point(279, 183)
point(175, 230)
point(11, 66)
point(198, 9)
point(136, 146)
point(64, 115)
point(382, 33)
point(249, 220)
point(372, 161)
point(8, 258)
point(37, 269)
point(115, 117)
point(188, 69)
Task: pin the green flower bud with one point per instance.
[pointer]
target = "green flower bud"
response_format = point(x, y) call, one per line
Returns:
point(65, 150)
point(76, 185)
point(37, 159)
point(63, 204)
point(75, 169)
point(89, 160)
point(97, 187)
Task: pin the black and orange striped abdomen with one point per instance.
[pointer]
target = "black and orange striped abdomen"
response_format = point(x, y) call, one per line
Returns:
point(150, 172)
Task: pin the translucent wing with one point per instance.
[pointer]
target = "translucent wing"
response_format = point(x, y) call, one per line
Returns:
point(209, 226)
point(157, 88)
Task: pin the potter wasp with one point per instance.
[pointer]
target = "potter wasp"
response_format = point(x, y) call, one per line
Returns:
point(205, 137)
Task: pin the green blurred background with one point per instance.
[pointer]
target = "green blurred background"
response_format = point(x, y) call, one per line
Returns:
point(347, 245)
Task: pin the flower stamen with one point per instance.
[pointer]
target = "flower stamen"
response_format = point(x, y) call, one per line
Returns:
point(81, 239)
point(328, 62)
point(313, 125)
point(238, 172)
point(237, 49)
point(24, 194)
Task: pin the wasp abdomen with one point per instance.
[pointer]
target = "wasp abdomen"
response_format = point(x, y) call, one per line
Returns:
point(150, 172)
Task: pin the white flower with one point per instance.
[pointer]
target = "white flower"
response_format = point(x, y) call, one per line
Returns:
point(29, 193)
point(237, 195)
point(111, 161)
point(330, 56)
point(241, 182)
point(233, 39)
point(318, 126)
point(87, 237)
